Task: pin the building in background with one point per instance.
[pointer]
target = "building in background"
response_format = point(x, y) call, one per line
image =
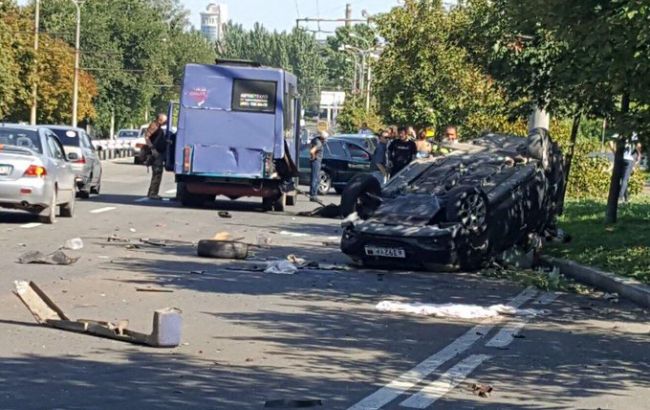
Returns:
point(213, 20)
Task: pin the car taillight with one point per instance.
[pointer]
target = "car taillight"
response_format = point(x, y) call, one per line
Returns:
point(187, 159)
point(35, 171)
point(82, 160)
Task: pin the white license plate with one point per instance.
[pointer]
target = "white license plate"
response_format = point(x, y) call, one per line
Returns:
point(5, 169)
point(385, 252)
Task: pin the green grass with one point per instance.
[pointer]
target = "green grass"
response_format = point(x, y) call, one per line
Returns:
point(622, 248)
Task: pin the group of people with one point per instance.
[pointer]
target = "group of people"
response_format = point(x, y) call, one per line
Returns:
point(396, 148)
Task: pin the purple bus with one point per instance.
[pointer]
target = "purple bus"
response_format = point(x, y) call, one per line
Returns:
point(237, 136)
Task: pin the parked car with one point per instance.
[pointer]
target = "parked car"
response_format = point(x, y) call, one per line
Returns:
point(35, 175)
point(83, 157)
point(342, 160)
point(457, 210)
point(366, 141)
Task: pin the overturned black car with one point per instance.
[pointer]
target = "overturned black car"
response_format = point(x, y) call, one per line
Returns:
point(459, 210)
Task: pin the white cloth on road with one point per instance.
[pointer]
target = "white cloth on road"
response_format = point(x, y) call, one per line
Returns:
point(454, 310)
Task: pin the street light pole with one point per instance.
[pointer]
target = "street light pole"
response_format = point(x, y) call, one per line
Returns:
point(368, 88)
point(75, 87)
point(37, 13)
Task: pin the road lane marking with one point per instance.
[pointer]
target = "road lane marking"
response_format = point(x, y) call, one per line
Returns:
point(445, 383)
point(408, 380)
point(145, 199)
point(102, 210)
point(31, 225)
point(507, 334)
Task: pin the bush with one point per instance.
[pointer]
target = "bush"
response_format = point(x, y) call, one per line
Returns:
point(354, 115)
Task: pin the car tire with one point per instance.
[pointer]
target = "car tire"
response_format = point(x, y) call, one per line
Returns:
point(468, 206)
point(67, 210)
point(325, 183)
point(267, 204)
point(48, 215)
point(83, 194)
point(360, 195)
point(96, 190)
point(222, 249)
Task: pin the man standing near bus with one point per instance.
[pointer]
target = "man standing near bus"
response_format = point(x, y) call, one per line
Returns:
point(155, 139)
point(316, 159)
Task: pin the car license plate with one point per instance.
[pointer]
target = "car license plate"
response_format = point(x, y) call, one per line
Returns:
point(385, 252)
point(5, 169)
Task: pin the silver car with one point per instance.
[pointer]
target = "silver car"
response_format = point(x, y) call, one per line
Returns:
point(83, 158)
point(35, 175)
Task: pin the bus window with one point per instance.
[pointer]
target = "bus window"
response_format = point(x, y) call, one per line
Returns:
point(254, 96)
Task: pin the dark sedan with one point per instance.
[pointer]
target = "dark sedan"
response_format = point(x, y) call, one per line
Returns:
point(342, 159)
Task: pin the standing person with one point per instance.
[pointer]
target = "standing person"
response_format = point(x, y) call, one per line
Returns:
point(411, 133)
point(423, 146)
point(155, 139)
point(448, 139)
point(401, 152)
point(379, 159)
point(364, 129)
point(316, 160)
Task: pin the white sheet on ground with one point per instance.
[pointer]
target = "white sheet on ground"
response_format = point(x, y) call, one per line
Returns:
point(454, 310)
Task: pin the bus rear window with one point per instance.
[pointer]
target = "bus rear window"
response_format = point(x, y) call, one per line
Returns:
point(254, 95)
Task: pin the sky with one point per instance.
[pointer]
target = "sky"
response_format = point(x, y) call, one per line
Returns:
point(281, 14)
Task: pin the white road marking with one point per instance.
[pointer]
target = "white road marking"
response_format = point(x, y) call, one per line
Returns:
point(171, 191)
point(507, 334)
point(414, 376)
point(31, 225)
point(102, 210)
point(145, 199)
point(445, 383)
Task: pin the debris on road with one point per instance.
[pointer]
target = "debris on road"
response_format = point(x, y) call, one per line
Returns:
point(455, 310)
point(161, 290)
point(299, 262)
point(294, 234)
point(166, 322)
point(55, 258)
point(73, 244)
point(132, 230)
point(154, 242)
point(328, 211)
point(224, 214)
point(481, 390)
point(291, 404)
point(263, 240)
point(222, 249)
point(281, 268)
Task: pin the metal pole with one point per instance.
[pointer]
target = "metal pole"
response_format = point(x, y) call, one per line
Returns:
point(368, 89)
point(363, 72)
point(75, 88)
point(37, 14)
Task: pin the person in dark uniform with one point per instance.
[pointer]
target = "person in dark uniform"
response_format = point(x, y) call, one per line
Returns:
point(401, 152)
point(155, 139)
point(316, 160)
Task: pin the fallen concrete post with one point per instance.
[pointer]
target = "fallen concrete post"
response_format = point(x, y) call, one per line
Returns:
point(166, 322)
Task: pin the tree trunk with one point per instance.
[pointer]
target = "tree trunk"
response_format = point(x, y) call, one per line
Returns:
point(617, 174)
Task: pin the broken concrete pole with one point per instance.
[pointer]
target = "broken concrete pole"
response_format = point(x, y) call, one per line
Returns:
point(166, 328)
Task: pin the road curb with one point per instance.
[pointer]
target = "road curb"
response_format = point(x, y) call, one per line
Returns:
point(628, 288)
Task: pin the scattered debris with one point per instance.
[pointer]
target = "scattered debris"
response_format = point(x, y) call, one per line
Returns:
point(222, 249)
point(291, 404)
point(455, 310)
point(166, 322)
point(263, 240)
point(55, 258)
point(132, 230)
point(299, 262)
point(327, 211)
point(224, 214)
point(73, 244)
point(482, 390)
point(154, 242)
point(281, 268)
point(162, 290)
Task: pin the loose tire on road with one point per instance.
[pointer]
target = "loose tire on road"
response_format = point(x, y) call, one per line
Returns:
point(360, 196)
point(222, 249)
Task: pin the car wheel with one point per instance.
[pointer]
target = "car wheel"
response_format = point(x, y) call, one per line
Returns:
point(222, 249)
point(48, 215)
point(361, 196)
point(280, 203)
point(325, 183)
point(67, 210)
point(267, 204)
point(96, 189)
point(468, 206)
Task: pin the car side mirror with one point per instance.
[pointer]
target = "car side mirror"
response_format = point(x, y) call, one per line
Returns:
point(73, 156)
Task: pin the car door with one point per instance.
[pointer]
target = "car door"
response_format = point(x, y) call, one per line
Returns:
point(63, 174)
point(359, 162)
point(335, 160)
point(92, 158)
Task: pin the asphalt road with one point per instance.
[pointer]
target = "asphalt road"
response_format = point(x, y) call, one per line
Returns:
point(251, 337)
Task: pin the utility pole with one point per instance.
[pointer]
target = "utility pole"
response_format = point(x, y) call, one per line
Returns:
point(75, 87)
point(37, 13)
point(348, 15)
point(368, 88)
